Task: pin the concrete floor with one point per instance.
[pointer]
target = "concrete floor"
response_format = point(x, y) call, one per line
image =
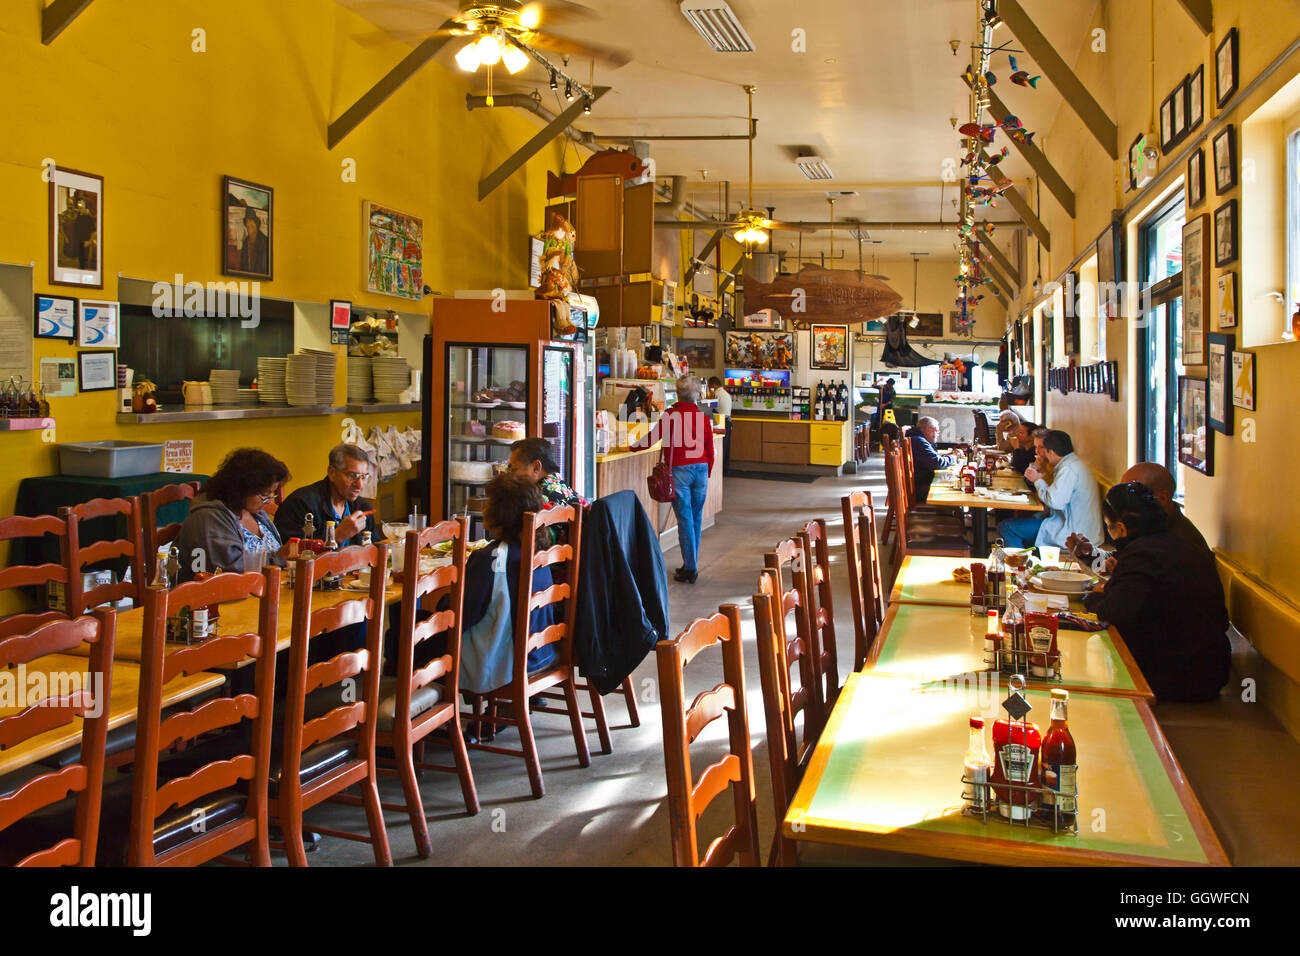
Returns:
point(614, 812)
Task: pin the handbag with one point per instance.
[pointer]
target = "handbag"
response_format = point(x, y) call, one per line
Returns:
point(660, 480)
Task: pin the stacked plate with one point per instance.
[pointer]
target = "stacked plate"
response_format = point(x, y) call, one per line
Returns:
point(360, 379)
point(271, 380)
point(225, 386)
point(300, 379)
point(392, 376)
point(325, 366)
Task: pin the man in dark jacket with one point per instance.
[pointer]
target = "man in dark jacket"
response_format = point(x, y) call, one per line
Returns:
point(336, 497)
point(925, 460)
point(622, 600)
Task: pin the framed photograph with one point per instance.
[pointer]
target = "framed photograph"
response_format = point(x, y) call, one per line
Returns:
point(340, 315)
point(1225, 69)
point(1195, 437)
point(1225, 233)
point(247, 222)
point(1220, 382)
point(1196, 289)
point(1137, 162)
point(1196, 98)
point(1225, 160)
point(1167, 124)
point(763, 351)
point(1178, 98)
point(1227, 300)
point(1108, 257)
point(652, 335)
point(98, 371)
point(56, 317)
point(394, 252)
point(98, 326)
point(830, 347)
point(699, 353)
point(927, 324)
point(1243, 380)
point(1196, 178)
point(76, 228)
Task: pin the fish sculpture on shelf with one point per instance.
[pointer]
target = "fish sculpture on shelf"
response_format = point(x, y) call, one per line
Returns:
point(1021, 77)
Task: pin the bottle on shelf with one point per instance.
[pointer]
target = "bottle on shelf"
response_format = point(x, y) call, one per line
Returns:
point(978, 767)
point(331, 582)
point(1059, 762)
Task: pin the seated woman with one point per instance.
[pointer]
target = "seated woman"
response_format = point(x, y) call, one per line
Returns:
point(1165, 598)
point(230, 519)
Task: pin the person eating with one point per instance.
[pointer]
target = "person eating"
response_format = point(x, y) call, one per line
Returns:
point(1008, 422)
point(1071, 500)
point(1023, 452)
point(925, 460)
point(336, 497)
point(229, 520)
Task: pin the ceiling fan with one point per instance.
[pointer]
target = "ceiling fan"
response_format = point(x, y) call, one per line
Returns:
point(751, 227)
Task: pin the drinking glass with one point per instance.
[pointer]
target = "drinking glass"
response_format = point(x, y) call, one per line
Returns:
point(254, 560)
point(1051, 556)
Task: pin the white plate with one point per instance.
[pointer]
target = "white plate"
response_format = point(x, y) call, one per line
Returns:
point(1048, 588)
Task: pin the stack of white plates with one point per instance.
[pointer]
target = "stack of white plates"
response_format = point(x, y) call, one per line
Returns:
point(271, 371)
point(392, 376)
point(248, 396)
point(360, 387)
point(300, 379)
point(325, 366)
point(225, 386)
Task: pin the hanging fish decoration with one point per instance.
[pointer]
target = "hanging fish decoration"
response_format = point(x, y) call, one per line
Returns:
point(974, 130)
point(1021, 77)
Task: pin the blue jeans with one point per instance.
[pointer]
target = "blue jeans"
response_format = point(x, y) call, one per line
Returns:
point(1020, 532)
point(692, 484)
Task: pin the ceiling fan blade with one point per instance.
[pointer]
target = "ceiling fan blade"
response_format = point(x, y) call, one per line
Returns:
point(560, 11)
point(694, 224)
point(379, 37)
point(608, 56)
point(789, 226)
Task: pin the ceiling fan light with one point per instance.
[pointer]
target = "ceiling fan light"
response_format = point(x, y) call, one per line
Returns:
point(489, 50)
point(515, 59)
point(468, 59)
point(530, 17)
point(759, 235)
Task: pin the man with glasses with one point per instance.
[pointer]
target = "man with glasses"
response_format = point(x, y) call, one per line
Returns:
point(336, 497)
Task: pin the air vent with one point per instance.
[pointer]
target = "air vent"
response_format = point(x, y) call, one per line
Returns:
point(717, 23)
point(814, 167)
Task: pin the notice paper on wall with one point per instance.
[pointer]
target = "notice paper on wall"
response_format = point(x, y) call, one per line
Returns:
point(178, 456)
point(59, 377)
point(15, 348)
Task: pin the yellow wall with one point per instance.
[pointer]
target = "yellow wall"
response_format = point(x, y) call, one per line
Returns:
point(122, 94)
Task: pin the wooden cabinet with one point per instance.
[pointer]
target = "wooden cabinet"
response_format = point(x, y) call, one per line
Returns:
point(746, 440)
point(786, 432)
point(784, 453)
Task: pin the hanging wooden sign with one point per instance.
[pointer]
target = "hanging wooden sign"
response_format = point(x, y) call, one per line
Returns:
point(823, 295)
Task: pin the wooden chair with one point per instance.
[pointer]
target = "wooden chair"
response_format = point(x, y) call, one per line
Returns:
point(787, 564)
point(912, 537)
point(33, 575)
point(563, 673)
point(940, 513)
point(130, 548)
point(983, 433)
point(324, 756)
point(85, 777)
point(154, 536)
point(820, 607)
point(412, 705)
point(225, 786)
point(688, 798)
point(862, 551)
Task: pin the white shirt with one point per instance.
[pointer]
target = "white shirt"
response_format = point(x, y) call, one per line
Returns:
point(724, 402)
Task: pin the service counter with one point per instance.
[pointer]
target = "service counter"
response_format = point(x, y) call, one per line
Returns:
point(622, 469)
point(776, 443)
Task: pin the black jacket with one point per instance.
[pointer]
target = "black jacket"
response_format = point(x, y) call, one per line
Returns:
point(622, 600)
point(315, 498)
point(1167, 602)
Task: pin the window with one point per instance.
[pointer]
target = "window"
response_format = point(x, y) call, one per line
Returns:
point(1293, 220)
point(1159, 339)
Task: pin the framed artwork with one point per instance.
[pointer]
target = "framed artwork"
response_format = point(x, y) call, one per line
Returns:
point(1196, 98)
point(1108, 257)
point(98, 326)
point(1178, 99)
point(394, 252)
point(1243, 380)
point(58, 377)
point(247, 224)
point(56, 317)
point(1114, 381)
point(1220, 382)
point(1227, 300)
point(76, 228)
point(1196, 290)
point(98, 371)
point(1225, 233)
point(1137, 162)
point(340, 315)
point(1225, 160)
point(699, 353)
point(651, 335)
point(1225, 69)
point(760, 350)
point(1167, 124)
point(1195, 437)
point(1196, 178)
point(927, 323)
point(830, 347)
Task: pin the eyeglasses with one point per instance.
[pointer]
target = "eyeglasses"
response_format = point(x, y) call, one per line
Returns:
point(355, 476)
point(270, 496)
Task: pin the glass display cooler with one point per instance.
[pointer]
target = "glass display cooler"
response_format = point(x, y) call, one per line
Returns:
point(487, 403)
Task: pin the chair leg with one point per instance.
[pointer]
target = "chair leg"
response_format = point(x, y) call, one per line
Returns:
point(291, 827)
point(602, 721)
point(629, 694)
point(414, 805)
point(575, 719)
point(524, 724)
point(375, 817)
point(461, 753)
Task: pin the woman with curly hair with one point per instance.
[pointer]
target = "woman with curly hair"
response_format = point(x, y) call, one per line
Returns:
point(230, 518)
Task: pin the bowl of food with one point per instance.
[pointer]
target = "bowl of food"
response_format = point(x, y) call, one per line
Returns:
point(1070, 582)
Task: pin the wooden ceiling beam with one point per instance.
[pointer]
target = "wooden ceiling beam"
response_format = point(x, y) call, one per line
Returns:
point(1021, 205)
point(1001, 280)
point(1202, 11)
point(1001, 259)
point(729, 276)
point(543, 136)
point(58, 15)
point(1053, 180)
point(702, 256)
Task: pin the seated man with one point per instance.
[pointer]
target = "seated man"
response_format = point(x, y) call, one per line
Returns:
point(534, 459)
point(1008, 420)
point(1023, 453)
point(1072, 501)
point(1040, 455)
point(336, 497)
point(925, 460)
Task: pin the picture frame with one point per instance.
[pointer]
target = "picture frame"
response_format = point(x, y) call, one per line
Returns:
point(76, 228)
point(1226, 300)
point(1136, 161)
point(394, 250)
point(1196, 178)
point(1225, 233)
point(97, 371)
point(1225, 68)
point(765, 351)
point(928, 325)
point(1109, 257)
point(99, 324)
point(1219, 382)
point(55, 317)
point(1167, 124)
point(1225, 160)
point(1196, 289)
point(1243, 380)
point(1114, 380)
point(340, 315)
point(1195, 437)
point(830, 347)
point(1196, 98)
point(699, 353)
point(247, 229)
point(1178, 100)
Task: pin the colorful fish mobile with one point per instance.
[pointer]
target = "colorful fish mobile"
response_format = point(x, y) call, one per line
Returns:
point(1021, 77)
point(984, 134)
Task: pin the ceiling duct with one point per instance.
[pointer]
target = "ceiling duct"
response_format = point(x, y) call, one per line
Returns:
point(763, 267)
point(717, 23)
point(813, 166)
point(676, 204)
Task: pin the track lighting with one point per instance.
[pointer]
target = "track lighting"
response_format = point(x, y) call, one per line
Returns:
point(568, 91)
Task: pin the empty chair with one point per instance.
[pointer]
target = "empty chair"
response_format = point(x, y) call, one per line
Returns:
point(33, 575)
point(821, 606)
point(862, 552)
point(79, 556)
point(687, 797)
point(36, 788)
point(791, 599)
point(156, 536)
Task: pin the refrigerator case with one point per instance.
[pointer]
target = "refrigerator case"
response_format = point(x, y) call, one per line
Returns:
point(487, 391)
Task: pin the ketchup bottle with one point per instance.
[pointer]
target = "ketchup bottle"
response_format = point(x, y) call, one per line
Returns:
point(1015, 760)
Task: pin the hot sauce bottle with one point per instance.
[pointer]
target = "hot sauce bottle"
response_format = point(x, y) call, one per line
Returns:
point(1060, 763)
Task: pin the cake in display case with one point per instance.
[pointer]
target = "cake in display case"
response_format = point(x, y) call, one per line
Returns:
point(487, 406)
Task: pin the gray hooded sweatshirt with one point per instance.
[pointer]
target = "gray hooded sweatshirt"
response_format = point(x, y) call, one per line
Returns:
point(214, 529)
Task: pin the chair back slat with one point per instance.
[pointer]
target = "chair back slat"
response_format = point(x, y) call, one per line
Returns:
point(26, 576)
point(55, 637)
point(210, 778)
point(16, 624)
point(214, 653)
point(341, 615)
point(64, 853)
point(43, 791)
point(687, 799)
point(556, 554)
point(30, 575)
point(215, 714)
point(339, 721)
point(548, 635)
point(46, 715)
point(551, 595)
point(821, 607)
point(336, 669)
point(558, 594)
point(154, 535)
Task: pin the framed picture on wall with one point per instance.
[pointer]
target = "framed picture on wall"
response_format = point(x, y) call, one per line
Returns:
point(1178, 99)
point(1227, 300)
point(98, 371)
point(1225, 68)
point(830, 347)
point(1196, 98)
point(1243, 380)
point(1196, 290)
point(56, 317)
point(98, 326)
point(340, 315)
point(1195, 437)
point(1167, 124)
point(1108, 273)
point(1225, 233)
point(394, 252)
point(699, 353)
point(1225, 160)
point(247, 225)
point(1220, 382)
point(1196, 178)
point(76, 228)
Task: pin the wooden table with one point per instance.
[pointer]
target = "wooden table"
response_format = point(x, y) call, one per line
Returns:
point(924, 579)
point(886, 775)
point(944, 495)
point(934, 642)
point(122, 704)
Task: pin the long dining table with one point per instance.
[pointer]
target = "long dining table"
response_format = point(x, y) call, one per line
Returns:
point(944, 495)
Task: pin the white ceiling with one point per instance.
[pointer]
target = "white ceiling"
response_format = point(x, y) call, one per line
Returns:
point(873, 94)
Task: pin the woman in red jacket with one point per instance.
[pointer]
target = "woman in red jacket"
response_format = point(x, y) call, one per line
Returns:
point(687, 435)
